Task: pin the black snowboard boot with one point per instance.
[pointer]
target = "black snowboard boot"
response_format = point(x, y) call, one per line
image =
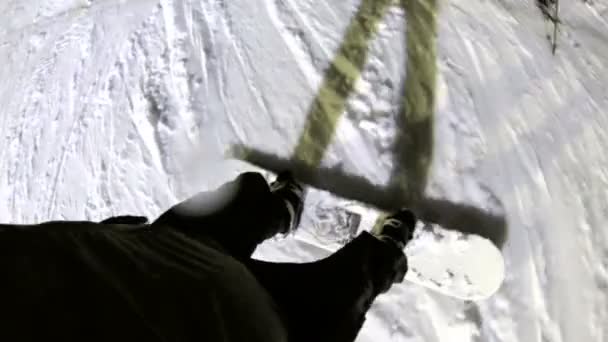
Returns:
point(289, 190)
point(398, 227)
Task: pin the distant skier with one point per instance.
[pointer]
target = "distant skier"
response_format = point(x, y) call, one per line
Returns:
point(189, 275)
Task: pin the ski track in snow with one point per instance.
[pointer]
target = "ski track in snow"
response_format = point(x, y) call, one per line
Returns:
point(114, 107)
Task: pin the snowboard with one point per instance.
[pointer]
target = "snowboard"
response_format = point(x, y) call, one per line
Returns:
point(459, 265)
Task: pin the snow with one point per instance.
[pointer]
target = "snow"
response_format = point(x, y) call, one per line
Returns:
point(111, 107)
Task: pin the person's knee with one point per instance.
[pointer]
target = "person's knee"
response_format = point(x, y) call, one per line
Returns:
point(253, 182)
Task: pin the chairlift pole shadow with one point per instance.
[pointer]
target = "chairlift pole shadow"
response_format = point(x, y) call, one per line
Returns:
point(414, 146)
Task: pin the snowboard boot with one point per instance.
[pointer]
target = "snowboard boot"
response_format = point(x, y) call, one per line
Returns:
point(398, 227)
point(291, 192)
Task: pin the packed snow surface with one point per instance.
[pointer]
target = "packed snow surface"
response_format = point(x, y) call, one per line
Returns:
point(118, 106)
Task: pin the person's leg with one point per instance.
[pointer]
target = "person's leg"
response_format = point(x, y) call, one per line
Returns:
point(239, 215)
point(126, 219)
point(327, 300)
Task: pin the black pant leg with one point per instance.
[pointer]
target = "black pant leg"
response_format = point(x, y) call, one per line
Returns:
point(239, 215)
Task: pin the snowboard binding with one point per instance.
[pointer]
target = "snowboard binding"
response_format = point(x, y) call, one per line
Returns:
point(398, 227)
point(291, 192)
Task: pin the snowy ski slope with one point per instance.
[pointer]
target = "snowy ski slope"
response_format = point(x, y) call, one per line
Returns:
point(117, 107)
